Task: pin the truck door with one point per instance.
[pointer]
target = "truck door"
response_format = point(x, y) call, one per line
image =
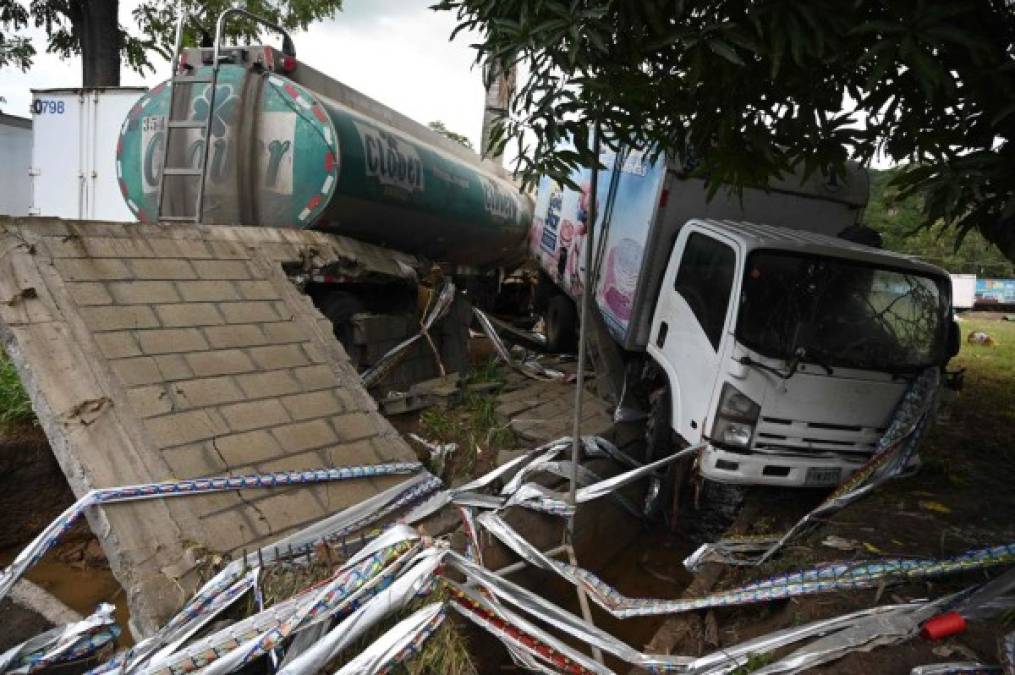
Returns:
point(691, 318)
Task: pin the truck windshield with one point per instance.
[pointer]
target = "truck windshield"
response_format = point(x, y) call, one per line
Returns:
point(837, 312)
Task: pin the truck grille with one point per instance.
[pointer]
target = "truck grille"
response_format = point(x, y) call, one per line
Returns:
point(791, 437)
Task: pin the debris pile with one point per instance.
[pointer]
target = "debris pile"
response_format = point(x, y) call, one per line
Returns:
point(371, 570)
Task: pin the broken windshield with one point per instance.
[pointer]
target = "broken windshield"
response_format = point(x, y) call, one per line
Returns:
point(837, 312)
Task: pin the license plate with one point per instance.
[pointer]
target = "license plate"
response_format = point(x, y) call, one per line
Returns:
point(823, 477)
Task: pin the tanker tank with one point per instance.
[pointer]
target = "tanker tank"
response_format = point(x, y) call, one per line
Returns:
point(302, 150)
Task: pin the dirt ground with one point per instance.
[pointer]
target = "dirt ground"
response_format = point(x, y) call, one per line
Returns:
point(33, 490)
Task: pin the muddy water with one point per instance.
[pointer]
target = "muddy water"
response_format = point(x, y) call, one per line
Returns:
point(652, 567)
point(81, 588)
point(649, 567)
point(33, 491)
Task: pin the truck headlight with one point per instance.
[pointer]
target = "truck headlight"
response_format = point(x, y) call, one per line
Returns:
point(735, 419)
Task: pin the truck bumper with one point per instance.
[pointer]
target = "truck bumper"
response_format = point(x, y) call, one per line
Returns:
point(761, 469)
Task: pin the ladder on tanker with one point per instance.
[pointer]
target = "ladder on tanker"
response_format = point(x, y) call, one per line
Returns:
point(166, 207)
point(177, 125)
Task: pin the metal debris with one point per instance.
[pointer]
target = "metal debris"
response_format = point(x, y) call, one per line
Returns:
point(823, 579)
point(389, 568)
point(438, 452)
point(51, 535)
point(399, 644)
point(435, 312)
point(956, 668)
point(63, 643)
point(529, 367)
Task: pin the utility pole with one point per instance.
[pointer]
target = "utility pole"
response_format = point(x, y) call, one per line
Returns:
point(500, 86)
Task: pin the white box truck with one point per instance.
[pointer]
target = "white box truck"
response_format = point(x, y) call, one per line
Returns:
point(74, 141)
point(963, 291)
point(755, 327)
point(16, 152)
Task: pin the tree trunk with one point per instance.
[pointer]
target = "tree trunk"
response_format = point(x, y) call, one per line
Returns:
point(98, 27)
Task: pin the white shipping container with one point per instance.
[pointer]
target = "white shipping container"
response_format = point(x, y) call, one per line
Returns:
point(75, 132)
point(15, 160)
point(963, 290)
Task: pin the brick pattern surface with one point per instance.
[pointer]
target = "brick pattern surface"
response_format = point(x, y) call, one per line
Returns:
point(239, 378)
point(214, 362)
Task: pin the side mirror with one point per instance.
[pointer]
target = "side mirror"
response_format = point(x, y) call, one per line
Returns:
point(954, 338)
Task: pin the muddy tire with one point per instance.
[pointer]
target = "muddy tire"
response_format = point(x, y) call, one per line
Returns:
point(661, 441)
point(702, 509)
point(561, 325)
point(716, 506)
point(339, 307)
point(659, 437)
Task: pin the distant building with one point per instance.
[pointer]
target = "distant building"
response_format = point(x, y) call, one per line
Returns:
point(16, 156)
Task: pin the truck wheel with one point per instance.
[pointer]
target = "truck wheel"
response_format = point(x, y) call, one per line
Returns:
point(702, 509)
point(339, 307)
point(659, 437)
point(661, 441)
point(715, 508)
point(561, 325)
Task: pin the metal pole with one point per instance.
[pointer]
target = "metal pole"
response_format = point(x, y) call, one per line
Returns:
point(583, 602)
point(522, 564)
point(586, 305)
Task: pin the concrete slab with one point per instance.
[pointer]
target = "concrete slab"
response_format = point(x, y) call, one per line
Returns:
point(542, 411)
point(154, 353)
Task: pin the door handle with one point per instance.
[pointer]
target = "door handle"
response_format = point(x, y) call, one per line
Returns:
point(664, 328)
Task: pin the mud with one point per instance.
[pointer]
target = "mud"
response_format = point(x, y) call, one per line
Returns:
point(79, 583)
point(33, 490)
point(19, 624)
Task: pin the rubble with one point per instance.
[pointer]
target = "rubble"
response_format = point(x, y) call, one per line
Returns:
point(438, 392)
point(391, 566)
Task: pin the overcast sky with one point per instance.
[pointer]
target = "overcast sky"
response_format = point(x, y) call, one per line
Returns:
point(396, 51)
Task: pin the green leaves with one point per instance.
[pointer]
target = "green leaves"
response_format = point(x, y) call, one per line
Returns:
point(15, 50)
point(759, 87)
point(442, 129)
point(724, 50)
point(155, 22)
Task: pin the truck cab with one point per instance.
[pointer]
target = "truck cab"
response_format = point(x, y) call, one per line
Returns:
point(787, 351)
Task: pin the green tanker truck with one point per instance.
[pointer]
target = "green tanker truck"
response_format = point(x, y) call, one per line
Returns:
point(252, 136)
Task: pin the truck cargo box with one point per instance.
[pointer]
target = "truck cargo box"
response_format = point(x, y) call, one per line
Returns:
point(74, 133)
point(641, 206)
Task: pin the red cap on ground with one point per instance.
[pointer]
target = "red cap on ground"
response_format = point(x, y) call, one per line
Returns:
point(943, 625)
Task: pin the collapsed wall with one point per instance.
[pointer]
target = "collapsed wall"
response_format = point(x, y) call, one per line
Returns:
point(171, 352)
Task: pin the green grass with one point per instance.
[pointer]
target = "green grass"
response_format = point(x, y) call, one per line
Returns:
point(998, 361)
point(471, 423)
point(491, 370)
point(984, 412)
point(754, 662)
point(15, 406)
